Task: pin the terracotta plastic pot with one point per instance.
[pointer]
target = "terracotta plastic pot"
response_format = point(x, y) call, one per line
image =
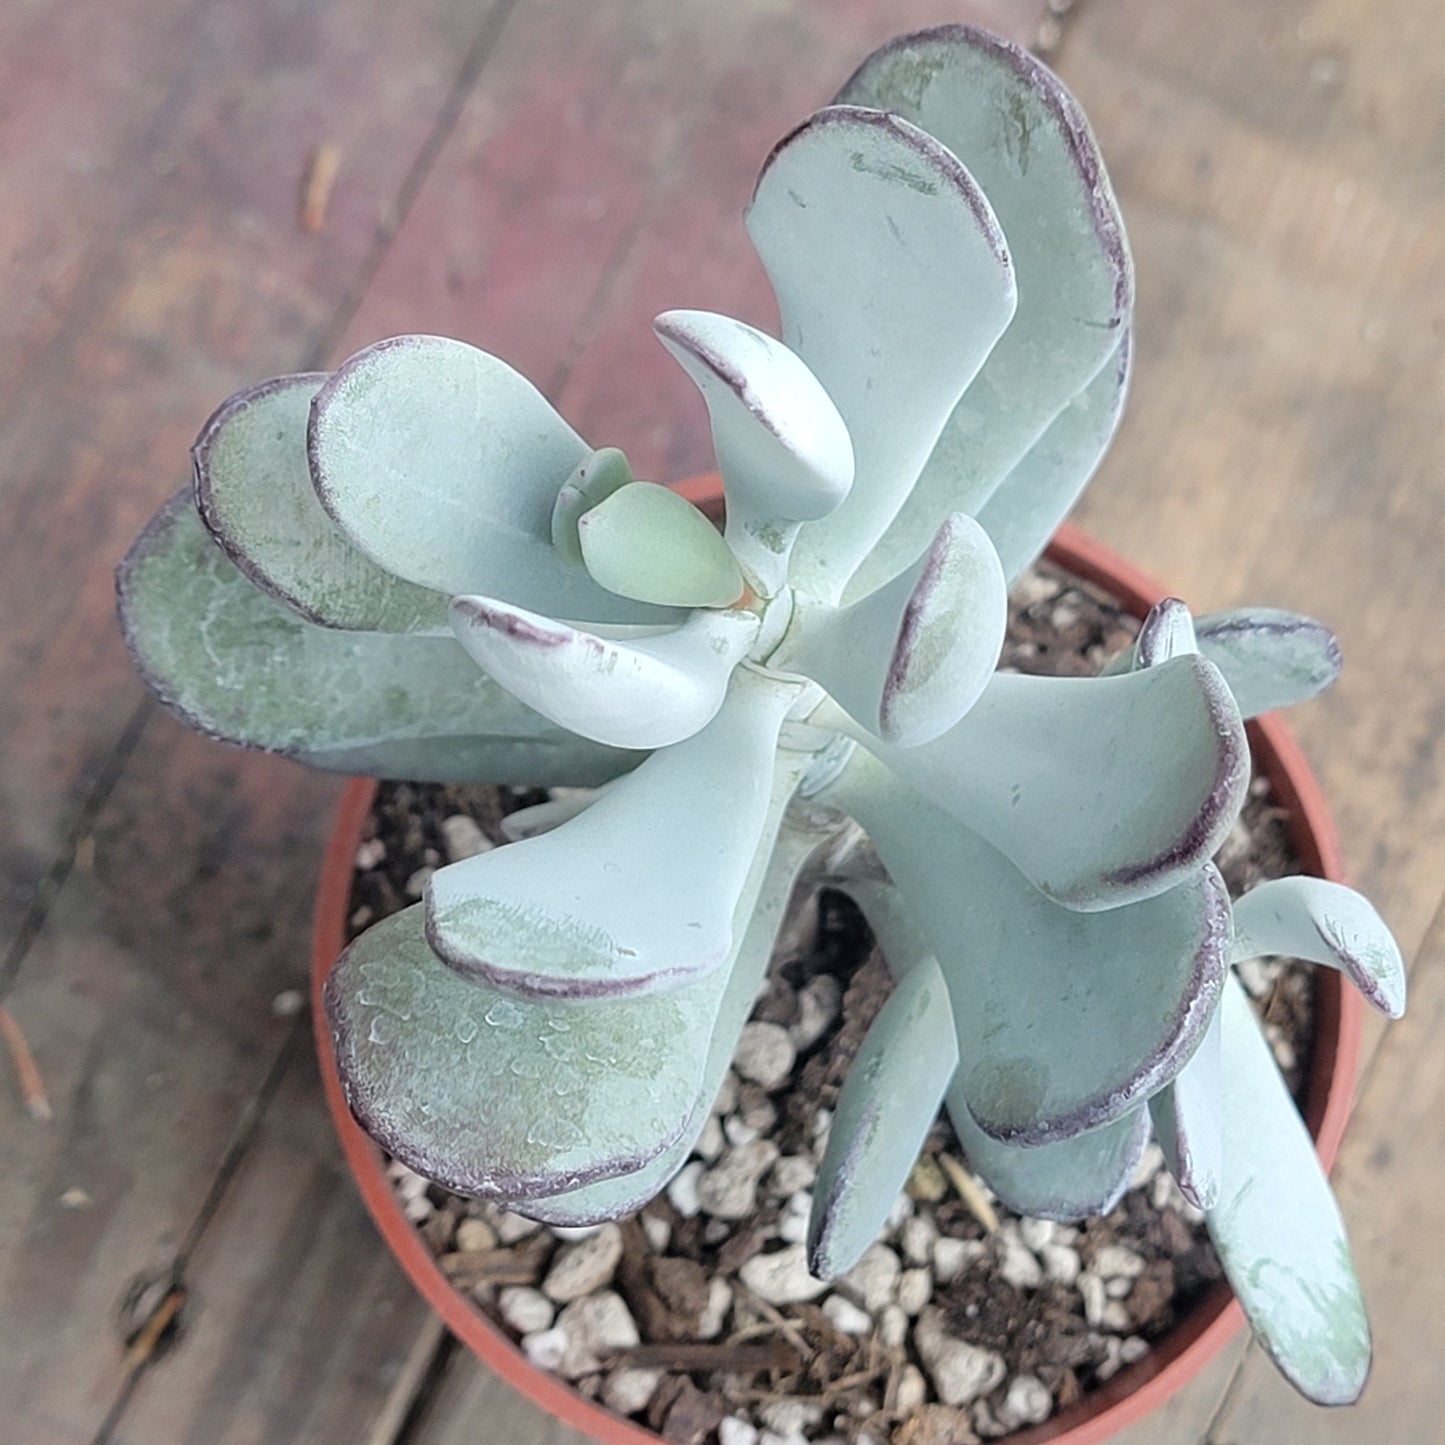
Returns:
point(1135, 1390)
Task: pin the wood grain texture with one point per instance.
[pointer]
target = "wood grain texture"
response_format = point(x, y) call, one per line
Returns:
point(156, 263)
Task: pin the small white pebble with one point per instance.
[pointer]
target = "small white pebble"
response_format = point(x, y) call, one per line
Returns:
point(917, 1239)
point(1116, 1317)
point(822, 1122)
point(912, 1389)
point(874, 1279)
point(1061, 1263)
point(1027, 1402)
point(793, 1221)
point(1091, 1287)
point(790, 1417)
point(782, 1277)
point(727, 1095)
point(737, 1132)
point(710, 1142)
point(952, 1256)
point(416, 884)
point(369, 854)
point(1036, 1233)
point(75, 1198)
point(1108, 1367)
point(545, 1349)
point(734, 1431)
point(819, 1001)
point(527, 1310)
point(715, 1312)
point(901, 1212)
point(915, 1289)
point(658, 1232)
point(475, 1235)
point(682, 1192)
point(630, 1391)
point(1116, 1261)
point(892, 1327)
point(1016, 1260)
point(463, 838)
point(845, 1316)
point(1134, 1348)
point(765, 1054)
point(1118, 1287)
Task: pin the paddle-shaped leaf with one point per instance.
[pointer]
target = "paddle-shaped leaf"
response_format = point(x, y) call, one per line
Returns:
point(501, 1097)
point(1269, 658)
point(1325, 923)
point(783, 450)
point(1066, 1180)
point(595, 479)
point(1278, 1229)
point(237, 665)
point(907, 661)
point(1043, 485)
point(1026, 143)
point(888, 1103)
point(1065, 1020)
point(894, 283)
point(765, 909)
point(1102, 791)
point(651, 544)
point(443, 465)
point(1189, 1122)
point(646, 693)
point(254, 493)
point(640, 891)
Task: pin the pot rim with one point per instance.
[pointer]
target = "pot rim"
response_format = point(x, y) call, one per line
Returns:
point(1135, 1390)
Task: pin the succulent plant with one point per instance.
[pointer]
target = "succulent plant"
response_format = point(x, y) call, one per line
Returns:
point(414, 567)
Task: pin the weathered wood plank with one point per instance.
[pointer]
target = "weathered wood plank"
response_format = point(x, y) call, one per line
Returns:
point(470, 1404)
point(152, 260)
point(300, 1321)
point(156, 258)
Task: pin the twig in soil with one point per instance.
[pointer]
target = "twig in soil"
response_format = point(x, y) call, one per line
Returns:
point(969, 1192)
point(320, 177)
point(468, 1268)
point(781, 1322)
point(27, 1071)
point(730, 1358)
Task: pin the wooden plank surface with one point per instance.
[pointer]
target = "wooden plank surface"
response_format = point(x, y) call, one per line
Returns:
point(157, 263)
point(542, 177)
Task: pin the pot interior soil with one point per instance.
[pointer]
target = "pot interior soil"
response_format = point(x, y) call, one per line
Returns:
point(691, 1317)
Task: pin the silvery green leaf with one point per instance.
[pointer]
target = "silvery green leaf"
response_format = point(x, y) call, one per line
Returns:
point(1043, 485)
point(594, 480)
point(1066, 1180)
point(1278, 1229)
point(254, 493)
point(1065, 1020)
point(1102, 791)
point(646, 693)
point(1167, 631)
point(651, 544)
point(1269, 658)
point(765, 909)
point(639, 892)
point(501, 1097)
point(894, 283)
point(783, 450)
point(907, 661)
point(237, 665)
point(443, 465)
point(1027, 144)
point(1327, 923)
point(1189, 1123)
point(889, 1100)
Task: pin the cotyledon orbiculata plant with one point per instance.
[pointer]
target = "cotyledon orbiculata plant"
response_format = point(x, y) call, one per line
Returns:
point(423, 572)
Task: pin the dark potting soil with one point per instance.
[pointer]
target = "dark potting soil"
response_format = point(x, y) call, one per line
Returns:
point(676, 1328)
